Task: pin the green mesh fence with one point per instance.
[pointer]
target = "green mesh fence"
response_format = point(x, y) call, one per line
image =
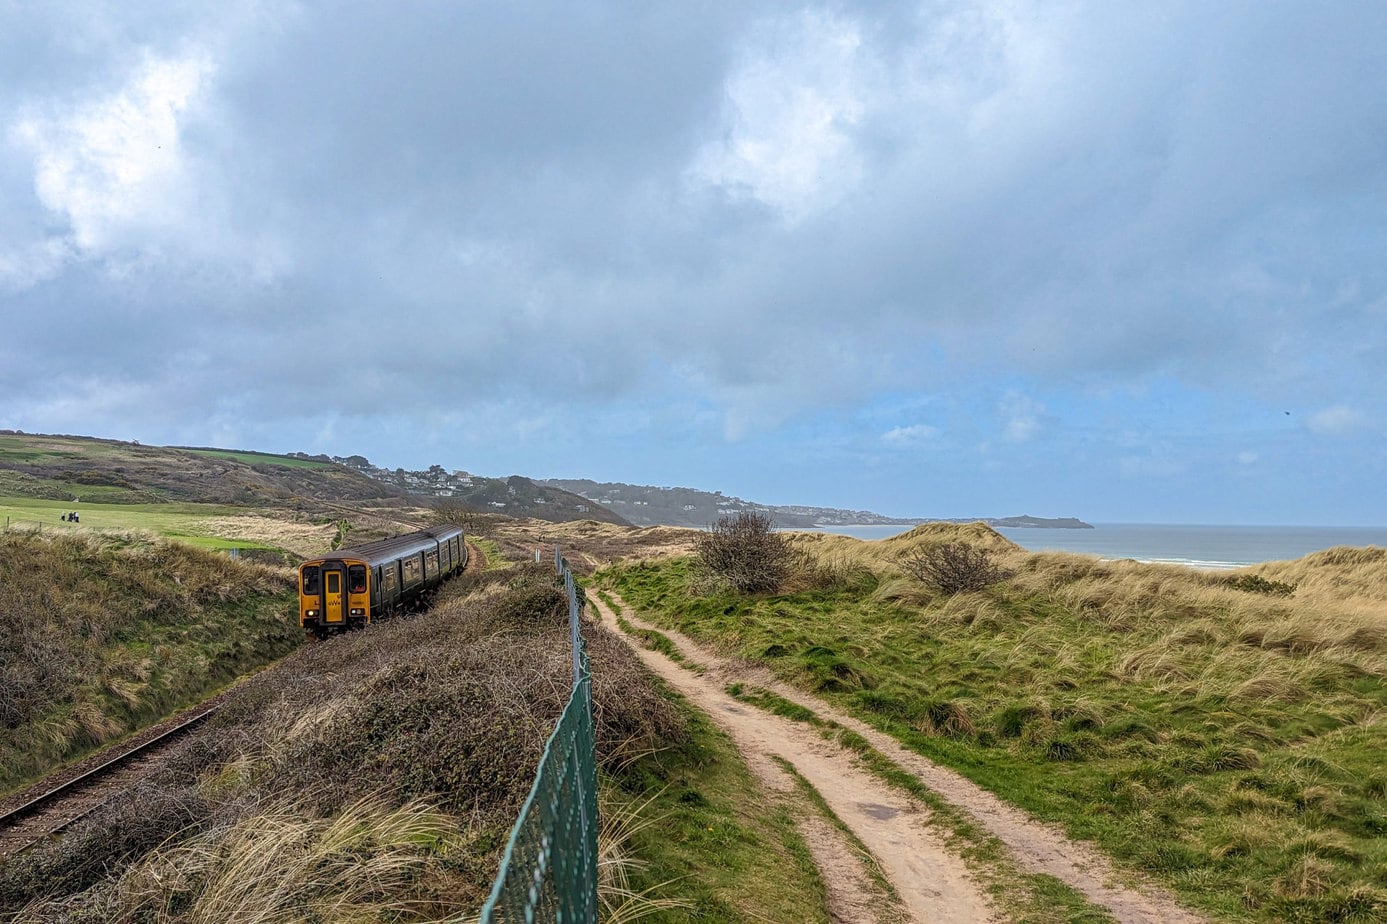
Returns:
point(549, 871)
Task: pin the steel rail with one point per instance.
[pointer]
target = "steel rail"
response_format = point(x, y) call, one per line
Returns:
point(13, 817)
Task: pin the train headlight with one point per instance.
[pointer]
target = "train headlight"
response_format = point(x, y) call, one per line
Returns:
point(358, 612)
point(311, 612)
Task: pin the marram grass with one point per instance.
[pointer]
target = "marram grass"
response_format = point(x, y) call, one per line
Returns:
point(1225, 735)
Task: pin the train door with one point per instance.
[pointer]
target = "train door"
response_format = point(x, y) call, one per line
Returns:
point(334, 597)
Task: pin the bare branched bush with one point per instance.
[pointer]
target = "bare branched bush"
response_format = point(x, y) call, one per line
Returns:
point(953, 567)
point(457, 512)
point(745, 551)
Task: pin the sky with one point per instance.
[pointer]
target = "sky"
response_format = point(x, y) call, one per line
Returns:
point(1124, 261)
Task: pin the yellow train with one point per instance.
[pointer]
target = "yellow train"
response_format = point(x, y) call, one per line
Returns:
point(348, 588)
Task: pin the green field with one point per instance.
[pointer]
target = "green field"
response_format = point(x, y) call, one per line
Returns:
point(21, 449)
point(257, 458)
point(172, 521)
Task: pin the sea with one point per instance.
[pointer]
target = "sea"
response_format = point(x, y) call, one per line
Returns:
point(1197, 546)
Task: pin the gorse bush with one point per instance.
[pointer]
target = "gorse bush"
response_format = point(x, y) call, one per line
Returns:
point(745, 551)
point(1256, 584)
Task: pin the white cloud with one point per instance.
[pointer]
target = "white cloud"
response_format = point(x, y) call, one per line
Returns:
point(792, 109)
point(913, 435)
point(34, 263)
point(1022, 417)
point(116, 163)
point(1338, 420)
point(1247, 457)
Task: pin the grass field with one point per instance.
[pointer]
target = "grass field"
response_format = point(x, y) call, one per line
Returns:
point(184, 522)
point(21, 449)
point(1229, 741)
point(258, 458)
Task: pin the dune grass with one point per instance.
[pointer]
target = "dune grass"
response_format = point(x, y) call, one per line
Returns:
point(375, 777)
point(1227, 740)
point(100, 636)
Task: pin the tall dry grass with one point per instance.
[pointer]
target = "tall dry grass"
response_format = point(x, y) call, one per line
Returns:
point(1192, 631)
point(883, 554)
point(101, 633)
point(370, 777)
point(370, 862)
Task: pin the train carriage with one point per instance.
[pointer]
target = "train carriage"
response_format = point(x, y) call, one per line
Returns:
point(348, 588)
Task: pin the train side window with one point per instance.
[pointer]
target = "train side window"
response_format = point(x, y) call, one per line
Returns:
point(356, 577)
point(312, 580)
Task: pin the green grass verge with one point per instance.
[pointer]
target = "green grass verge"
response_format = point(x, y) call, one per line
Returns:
point(1023, 896)
point(491, 552)
point(610, 603)
point(716, 840)
point(888, 905)
point(1227, 758)
point(658, 641)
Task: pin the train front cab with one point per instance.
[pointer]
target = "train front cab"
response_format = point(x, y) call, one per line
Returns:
point(334, 595)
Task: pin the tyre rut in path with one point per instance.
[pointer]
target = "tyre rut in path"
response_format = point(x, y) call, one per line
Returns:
point(933, 883)
point(1035, 847)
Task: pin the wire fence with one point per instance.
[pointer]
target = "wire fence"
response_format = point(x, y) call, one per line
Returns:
point(549, 870)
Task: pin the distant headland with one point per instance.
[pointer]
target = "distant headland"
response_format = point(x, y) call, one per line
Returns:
point(1026, 521)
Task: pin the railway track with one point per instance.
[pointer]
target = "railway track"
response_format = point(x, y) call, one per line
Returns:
point(64, 797)
point(56, 802)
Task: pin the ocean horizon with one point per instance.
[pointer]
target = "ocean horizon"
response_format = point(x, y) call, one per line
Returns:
point(1194, 545)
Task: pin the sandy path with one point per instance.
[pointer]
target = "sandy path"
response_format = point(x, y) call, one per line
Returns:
point(934, 884)
point(1035, 847)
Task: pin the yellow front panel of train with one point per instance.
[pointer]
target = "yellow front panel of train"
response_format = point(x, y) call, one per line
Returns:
point(332, 596)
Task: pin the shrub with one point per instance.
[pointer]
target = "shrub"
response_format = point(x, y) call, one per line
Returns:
point(1256, 584)
point(953, 567)
point(745, 551)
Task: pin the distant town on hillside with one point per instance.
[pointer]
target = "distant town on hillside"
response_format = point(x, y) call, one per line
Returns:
point(646, 505)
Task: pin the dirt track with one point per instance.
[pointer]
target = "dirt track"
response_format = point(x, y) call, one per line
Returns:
point(933, 883)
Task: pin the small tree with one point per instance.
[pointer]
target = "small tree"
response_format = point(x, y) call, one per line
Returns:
point(745, 550)
point(458, 512)
point(953, 567)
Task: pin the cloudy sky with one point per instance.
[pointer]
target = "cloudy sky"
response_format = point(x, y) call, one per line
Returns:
point(1119, 260)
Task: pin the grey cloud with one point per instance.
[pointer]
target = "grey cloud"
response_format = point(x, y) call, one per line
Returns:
point(1079, 195)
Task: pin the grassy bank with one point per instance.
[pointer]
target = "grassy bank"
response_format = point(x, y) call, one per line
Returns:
point(375, 776)
point(102, 636)
point(712, 844)
point(1221, 733)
